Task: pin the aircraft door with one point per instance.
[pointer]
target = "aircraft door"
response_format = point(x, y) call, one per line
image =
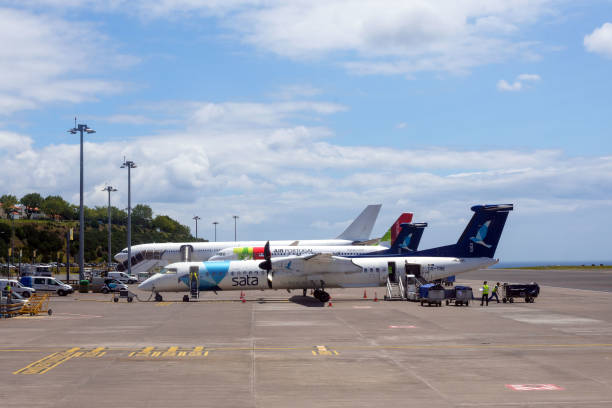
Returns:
point(413, 269)
point(186, 251)
point(194, 281)
point(392, 271)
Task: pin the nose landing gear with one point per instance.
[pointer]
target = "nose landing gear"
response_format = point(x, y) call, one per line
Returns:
point(158, 297)
point(321, 295)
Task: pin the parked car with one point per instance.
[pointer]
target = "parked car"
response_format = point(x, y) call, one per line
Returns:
point(43, 283)
point(122, 277)
point(17, 287)
point(113, 285)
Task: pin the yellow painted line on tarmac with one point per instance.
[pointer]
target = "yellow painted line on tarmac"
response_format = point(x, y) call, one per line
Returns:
point(163, 303)
point(49, 362)
point(324, 351)
point(97, 352)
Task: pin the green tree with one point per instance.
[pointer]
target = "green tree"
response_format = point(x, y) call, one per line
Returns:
point(8, 201)
point(56, 205)
point(31, 201)
point(142, 215)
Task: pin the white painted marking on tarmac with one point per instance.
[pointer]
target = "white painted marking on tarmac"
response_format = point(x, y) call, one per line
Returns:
point(552, 318)
point(402, 327)
point(534, 387)
point(275, 323)
point(362, 307)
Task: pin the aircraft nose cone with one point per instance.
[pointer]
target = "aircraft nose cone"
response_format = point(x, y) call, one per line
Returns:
point(147, 285)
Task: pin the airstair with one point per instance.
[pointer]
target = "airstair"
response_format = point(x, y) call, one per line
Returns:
point(395, 290)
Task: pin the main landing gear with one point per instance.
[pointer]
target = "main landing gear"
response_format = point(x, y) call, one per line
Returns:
point(321, 295)
point(158, 297)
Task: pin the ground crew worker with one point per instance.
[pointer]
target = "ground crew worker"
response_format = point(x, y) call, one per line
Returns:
point(494, 292)
point(485, 294)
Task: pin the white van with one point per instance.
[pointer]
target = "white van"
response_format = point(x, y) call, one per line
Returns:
point(17, 287)
point(46, 284)
point(122, 277)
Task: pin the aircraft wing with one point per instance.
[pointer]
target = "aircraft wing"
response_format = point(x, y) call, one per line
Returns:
point(315, 264)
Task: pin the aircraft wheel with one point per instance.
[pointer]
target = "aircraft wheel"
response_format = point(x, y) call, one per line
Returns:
point(185, 298)
point(158, 297)
point(511, 300)
point(324, 297)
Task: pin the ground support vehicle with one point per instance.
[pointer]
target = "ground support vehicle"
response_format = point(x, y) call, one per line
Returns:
point(46, 284)
point(124, 294)
point(38, 303)
point(17, 287)
point(113, 285)
point(432, 294)
point(461, 295)
point(527, 291)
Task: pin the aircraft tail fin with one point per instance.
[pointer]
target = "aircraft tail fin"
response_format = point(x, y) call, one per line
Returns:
point(408, 239)
point(391, 235)
point(481, 235)
point(361, 228)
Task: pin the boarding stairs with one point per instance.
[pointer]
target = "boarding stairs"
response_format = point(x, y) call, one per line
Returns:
point(395, 290)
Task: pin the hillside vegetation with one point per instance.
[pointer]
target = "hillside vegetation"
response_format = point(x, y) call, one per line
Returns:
point(47, 236)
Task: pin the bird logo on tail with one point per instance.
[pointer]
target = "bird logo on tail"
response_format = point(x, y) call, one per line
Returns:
point(482, 234)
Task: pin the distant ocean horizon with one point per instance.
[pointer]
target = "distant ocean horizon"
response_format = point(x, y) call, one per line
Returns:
point(519, 264)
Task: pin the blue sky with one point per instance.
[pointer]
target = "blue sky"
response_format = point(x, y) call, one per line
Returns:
point(295, 115)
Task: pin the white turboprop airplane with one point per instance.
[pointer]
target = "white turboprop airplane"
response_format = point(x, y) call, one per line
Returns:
point(147, 257)
point(474, 250)
point(409, 242)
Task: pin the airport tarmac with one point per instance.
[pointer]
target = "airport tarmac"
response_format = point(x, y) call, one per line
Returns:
point(279, 349)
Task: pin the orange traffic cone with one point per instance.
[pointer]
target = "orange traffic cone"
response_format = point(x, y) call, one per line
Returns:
point(375, 297)
point(365, 295)
point(330, 304)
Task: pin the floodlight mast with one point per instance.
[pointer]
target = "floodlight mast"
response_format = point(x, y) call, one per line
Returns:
point(80, 128)
point(196, 218)
point(129, 165)
point(110, 190)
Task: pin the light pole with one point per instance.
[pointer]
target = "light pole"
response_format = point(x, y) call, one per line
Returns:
point(215, 224)
point(235, 217)
point(110, 189)
point(196, 218)
point(81, 128)
point(129, 165)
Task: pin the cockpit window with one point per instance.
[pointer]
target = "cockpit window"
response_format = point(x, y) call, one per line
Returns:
point(168, 271)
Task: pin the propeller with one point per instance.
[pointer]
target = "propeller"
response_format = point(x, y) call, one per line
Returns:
point(267, 264)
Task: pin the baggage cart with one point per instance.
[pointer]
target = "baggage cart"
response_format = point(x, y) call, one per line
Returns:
point(527, 291)
point(124, 294)
point(432, 294)
point(463, 295)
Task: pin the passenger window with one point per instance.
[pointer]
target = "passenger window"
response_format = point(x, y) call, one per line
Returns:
point(52, 282)
point(39, 281)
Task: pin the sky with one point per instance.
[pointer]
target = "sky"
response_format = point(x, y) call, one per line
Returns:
point(295, 115)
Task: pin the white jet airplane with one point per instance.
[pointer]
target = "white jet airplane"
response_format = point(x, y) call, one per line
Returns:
point(147, 257)
point(409, 243)
point(322, 271)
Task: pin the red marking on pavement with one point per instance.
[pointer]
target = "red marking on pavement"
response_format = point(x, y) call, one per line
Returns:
point(534, 387)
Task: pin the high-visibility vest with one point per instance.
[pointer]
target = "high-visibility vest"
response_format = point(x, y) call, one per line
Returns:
point(494, 289)
point(485, 289)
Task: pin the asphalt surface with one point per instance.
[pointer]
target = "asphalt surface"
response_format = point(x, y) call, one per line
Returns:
point(278, 349)
point(589, 279)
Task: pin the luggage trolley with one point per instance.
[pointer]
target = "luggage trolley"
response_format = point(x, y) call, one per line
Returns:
point(431, 294)
point(527, 291)
point(124, 294)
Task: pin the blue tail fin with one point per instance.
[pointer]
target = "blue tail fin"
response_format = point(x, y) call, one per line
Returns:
point(408, 239)
point(480, 237)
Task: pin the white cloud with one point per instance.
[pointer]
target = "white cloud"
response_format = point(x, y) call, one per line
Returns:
point(365, 36)
point(401, 125)
point(518, 84)
point(600, 40)
point(282, 177)
point(47, 59)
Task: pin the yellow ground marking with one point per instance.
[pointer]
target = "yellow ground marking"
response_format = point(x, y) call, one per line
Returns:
point(97, 352)
point(323, 351)
point(49, 362)
point(196, 352)
point(171, 352)
point(156, 354)
point(163, 303)
point(145, 352)
point(182, 353)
